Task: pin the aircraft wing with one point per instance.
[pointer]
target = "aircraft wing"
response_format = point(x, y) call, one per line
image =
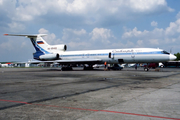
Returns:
point(74, 61)
point(80, 61)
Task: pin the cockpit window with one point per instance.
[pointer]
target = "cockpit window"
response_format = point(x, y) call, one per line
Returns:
point(164, 52)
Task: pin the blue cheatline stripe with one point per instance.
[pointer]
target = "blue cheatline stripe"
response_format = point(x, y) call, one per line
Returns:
point(33, 42)
point(38, 48)
point(41, 49)
point(106, 54)
point(139, 53)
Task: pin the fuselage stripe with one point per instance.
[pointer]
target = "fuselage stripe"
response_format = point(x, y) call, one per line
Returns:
point(106, 54)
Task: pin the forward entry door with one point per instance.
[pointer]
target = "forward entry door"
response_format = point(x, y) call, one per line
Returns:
point(111, 55)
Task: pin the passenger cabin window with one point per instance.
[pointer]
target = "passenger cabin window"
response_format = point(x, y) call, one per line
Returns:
point(164, 52)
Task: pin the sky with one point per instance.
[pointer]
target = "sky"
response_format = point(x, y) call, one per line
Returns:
point(89, 25)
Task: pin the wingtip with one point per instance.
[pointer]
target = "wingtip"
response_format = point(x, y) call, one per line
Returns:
point(5, 34)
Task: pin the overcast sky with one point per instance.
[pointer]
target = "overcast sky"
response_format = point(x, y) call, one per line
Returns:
point(89, 24)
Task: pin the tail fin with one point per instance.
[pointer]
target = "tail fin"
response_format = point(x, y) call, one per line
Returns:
point(40, 45)
point(44, 51)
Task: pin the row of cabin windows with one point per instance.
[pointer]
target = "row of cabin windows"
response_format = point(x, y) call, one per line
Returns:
point(109, 55)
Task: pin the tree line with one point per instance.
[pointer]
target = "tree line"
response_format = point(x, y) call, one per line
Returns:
point(178, 56)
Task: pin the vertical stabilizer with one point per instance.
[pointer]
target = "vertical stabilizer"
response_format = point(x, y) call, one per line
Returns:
point(44, 51)
point(40, 45)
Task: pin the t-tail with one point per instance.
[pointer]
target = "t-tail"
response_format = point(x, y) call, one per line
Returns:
point(44, 51)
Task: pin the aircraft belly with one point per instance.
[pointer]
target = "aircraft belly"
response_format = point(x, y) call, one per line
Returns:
point(150, 58)
point(144, 58)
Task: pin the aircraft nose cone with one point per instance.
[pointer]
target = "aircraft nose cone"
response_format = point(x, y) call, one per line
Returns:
point(172, 57)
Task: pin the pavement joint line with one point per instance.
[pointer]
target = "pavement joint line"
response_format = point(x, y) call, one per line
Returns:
point(94, 110)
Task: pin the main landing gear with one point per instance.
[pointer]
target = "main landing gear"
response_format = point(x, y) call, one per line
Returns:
point(88, 67)
point(146, 68)
point(66, 68)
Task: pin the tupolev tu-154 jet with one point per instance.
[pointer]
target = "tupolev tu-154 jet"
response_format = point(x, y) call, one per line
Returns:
point(57, 53)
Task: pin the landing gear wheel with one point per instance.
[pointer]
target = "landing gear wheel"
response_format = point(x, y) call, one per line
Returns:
point(88, 68)
point(146, 69)
point(66, 69)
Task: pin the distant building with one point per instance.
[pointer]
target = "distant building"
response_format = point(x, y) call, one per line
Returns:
point(6, 64)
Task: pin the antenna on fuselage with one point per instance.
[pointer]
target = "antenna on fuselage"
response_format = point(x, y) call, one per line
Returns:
point(171, 50)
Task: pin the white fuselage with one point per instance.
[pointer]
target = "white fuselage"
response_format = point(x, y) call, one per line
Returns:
point(134, 55)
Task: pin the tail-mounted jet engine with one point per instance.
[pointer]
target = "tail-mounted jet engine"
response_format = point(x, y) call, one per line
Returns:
point(61, 47)
point(49, 57)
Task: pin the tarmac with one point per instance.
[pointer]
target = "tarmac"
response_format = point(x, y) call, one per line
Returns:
point(51, 94)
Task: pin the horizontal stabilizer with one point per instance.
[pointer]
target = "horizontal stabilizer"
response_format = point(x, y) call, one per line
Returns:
point(28, 36)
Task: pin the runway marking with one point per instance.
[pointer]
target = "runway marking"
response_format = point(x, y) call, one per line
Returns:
point(108, 111)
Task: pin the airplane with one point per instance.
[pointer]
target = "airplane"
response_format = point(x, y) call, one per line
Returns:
point(57, 53)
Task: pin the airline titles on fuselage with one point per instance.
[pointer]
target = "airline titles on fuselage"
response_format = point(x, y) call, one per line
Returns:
point(126, 51)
